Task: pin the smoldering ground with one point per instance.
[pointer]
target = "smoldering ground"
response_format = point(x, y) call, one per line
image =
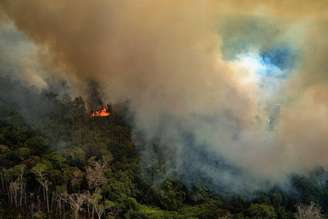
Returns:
point(167, 59)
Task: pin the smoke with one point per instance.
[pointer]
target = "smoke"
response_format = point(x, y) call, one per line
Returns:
point(180, 65)
point(18, 56)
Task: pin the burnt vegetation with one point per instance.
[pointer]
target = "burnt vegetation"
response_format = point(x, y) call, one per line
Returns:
point(58, 162)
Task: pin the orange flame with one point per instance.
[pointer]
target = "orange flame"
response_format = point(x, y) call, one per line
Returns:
point(103, 111)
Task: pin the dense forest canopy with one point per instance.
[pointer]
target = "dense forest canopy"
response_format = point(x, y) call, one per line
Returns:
point(58, 162)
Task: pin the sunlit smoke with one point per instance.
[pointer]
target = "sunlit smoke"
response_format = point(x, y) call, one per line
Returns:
point(235, 83)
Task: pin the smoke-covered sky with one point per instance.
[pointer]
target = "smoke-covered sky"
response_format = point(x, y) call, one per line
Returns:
point(243, 81)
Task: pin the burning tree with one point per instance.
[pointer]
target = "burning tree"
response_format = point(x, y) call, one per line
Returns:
point(102, 111)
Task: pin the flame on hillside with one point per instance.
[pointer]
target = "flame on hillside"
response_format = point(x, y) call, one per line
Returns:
point(102, 111)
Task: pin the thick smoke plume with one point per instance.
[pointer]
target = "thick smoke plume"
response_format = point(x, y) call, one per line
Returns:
point(166, 58)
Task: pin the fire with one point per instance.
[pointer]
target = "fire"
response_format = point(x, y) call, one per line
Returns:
point(103, 111)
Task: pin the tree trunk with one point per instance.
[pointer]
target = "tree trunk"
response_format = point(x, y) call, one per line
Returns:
point(99, 215)
point(47, 200)
point(76, 214)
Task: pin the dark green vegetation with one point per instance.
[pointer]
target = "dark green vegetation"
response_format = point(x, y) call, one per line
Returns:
point(57, 162)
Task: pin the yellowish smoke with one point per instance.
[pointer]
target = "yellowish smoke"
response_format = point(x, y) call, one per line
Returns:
point(165, 58)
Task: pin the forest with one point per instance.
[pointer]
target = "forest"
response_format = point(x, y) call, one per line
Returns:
point(58, 162)
point(158, 109)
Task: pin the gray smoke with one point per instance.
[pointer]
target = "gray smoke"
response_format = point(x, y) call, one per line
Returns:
point(168, 60)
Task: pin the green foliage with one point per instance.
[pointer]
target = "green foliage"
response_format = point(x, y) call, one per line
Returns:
point(168, 195)
point(65, 154)
point(148, 212)
point(261, 211)
point(14, 172)
point(37, 144)
point(39, 215)
point(75, 156)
